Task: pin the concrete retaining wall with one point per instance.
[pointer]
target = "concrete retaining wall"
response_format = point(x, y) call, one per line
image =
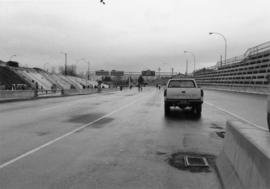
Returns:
point(244, 162)
point(79, 91)
point(18, 94)
point(8, 96)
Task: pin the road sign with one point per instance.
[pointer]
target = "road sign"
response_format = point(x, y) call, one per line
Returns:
point(117, 73)
point(148, 73)
point(102, 73)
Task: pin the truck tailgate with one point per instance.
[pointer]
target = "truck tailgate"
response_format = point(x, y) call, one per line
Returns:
point(183, 93)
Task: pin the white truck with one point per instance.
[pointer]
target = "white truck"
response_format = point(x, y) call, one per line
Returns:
point(183, 92)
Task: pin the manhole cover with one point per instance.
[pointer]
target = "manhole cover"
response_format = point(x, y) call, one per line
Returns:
point(192, 161)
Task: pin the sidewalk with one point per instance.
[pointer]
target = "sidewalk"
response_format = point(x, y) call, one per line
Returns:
point(248, 91)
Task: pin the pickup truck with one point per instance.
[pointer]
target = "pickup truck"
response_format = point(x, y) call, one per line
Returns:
point(183, 93)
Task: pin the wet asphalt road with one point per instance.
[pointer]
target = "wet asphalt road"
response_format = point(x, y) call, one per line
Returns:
point(114, 140)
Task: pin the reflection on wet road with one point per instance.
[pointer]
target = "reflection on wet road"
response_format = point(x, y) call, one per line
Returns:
point(125, 142)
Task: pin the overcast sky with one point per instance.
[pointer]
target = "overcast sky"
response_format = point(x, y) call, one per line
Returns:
point(130, 35)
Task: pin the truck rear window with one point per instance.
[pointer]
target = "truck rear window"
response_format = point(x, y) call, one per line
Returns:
point(181, 84)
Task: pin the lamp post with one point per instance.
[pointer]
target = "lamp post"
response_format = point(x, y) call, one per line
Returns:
point(65, 62)
point(88, 70)
point(186, 67)
point(12, 56)
point(194, 59)
point(225, 40)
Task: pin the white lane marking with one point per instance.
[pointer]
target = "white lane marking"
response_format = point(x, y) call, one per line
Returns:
point(237, 116)
point(66, 135)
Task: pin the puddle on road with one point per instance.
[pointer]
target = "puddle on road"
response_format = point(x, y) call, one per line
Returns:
point(177, 161)
point(88, 118)
point(160, 153)
point(216, 126)
point(42, 133)
point(96, 104)
point(221, 134)
point(85, 118)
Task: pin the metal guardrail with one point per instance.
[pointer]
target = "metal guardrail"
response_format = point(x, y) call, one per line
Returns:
point(232, 60)
point(56, 92)
point(257, 49)
point(13, 94)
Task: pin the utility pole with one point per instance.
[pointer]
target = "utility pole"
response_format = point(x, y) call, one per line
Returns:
point(172, 72)
point(65, 62)
point(129, 81)
point(88, 69)
point(220, 60)
point(159, 72)
point(186, 67)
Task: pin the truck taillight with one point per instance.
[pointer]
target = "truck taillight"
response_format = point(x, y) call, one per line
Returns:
point(202, 93)
point(165, 92)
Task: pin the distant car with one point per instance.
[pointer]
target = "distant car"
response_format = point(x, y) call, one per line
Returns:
point(183, 93)
point(268, 111)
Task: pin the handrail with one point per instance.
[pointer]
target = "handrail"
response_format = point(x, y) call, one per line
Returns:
point(249, 52)
point(258, 49)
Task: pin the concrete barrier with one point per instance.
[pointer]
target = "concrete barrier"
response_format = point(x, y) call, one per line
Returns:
point(87, 91)
point(259, 91)
point(17, 94)
point(79, 91)
point(244, 162)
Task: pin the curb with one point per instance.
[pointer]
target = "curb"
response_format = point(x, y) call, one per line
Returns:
point(235, 91)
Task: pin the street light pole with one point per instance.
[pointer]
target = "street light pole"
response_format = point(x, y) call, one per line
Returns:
point(88, 69)
point(186, 67)
point(194, 59)
point(65, 62)
point(225, 40)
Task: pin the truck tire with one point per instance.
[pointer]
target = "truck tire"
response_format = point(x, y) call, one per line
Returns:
point(198, 110)
point(166, 109)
